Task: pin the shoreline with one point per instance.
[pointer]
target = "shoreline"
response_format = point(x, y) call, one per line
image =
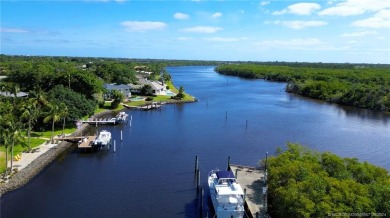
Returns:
point(22, 177)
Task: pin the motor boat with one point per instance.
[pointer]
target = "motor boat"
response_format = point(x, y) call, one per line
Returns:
point(103, 139)
point(226, 194)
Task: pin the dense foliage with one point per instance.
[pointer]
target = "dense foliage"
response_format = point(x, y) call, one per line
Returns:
point(304, 183)
point(77, 104)
point(364, 87)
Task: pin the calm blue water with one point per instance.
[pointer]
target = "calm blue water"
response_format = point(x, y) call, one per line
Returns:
point(151, 173)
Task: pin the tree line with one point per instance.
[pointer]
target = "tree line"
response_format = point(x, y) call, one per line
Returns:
point(361, 86)
point(305, 183)
point(59, 89)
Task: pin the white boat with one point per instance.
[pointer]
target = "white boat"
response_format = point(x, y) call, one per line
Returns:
point(122, 116)
point(103, 139)
point(226, 194)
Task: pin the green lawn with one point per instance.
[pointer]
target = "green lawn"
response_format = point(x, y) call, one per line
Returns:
point(37, 138)
point(18, 149)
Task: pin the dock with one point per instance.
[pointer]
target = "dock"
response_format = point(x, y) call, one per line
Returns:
point(86, 142)
point(69, 138)
point(101, 121)
point(121, 117)
point(252, 179)
point(154, 105)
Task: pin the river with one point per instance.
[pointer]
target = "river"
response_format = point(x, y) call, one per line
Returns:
point(151, 172)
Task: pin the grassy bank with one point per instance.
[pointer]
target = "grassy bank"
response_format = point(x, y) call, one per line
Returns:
point(37, 138)
point(163, 98)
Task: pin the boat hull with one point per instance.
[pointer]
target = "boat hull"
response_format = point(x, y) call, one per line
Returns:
point(225, 206)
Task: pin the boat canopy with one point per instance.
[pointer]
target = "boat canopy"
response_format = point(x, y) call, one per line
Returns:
point(225, 175)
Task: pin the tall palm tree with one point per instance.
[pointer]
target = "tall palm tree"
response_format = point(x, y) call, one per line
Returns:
point(64, 114)
point(38, 97)
point(13, 135)
point(5, 135)
point(54, 115)
point(31, 113)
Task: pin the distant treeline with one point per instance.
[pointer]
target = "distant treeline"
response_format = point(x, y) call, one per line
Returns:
point(364, 86)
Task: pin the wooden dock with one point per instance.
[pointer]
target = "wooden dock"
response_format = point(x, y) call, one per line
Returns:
point(154, 105)
point(69, 138)
point(86, 142)
point(252, 179)
point(101, 121)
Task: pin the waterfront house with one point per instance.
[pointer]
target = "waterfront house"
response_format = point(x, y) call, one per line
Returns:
point(122, 88)
point(158, 88)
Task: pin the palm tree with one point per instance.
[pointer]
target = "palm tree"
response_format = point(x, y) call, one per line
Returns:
point(5, 135)
point(54, 115)
point(38, 97)
point(31, 113)
point(64, 114)
point(13, 136)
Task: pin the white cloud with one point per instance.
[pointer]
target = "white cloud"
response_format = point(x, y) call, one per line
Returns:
point(379, 20)
point(359, 34)
point(183, 38)
point(181, 16)
point(222, 39)
point(143, 26)
point(13, 30)
point(264, 3)
point(202, 29)
point(299, 9)
point(298, 24)
point(217, 14)
point(297, 44)
point(355, 7)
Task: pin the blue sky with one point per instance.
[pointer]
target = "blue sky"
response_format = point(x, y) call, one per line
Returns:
point(355, 31)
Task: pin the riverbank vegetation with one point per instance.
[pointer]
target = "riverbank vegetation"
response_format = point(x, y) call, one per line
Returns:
point(305, 183)
point(52, 93)
point(363, 86)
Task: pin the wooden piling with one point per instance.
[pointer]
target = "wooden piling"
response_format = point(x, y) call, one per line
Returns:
point(228, 164)
point(114, 146)
point(236, 173)
point(201, 203)
point(244, 194)
point(196, 163)
point(198, 180)
point(121, 135)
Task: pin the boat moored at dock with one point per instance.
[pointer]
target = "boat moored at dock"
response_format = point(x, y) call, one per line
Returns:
point(102, 140)
point(226, 194)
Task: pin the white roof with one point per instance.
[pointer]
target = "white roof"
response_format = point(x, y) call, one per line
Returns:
point(234, 189)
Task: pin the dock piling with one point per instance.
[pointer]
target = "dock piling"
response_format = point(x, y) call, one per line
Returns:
point(201, 204)
point(244, 194)
point(196, 163)
point(198, 181)
point(236, 173)
point(121, 135)
point(114, 146)
point(228, 164)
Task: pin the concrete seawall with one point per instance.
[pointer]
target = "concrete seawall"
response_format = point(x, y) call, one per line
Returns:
point(23, 176)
